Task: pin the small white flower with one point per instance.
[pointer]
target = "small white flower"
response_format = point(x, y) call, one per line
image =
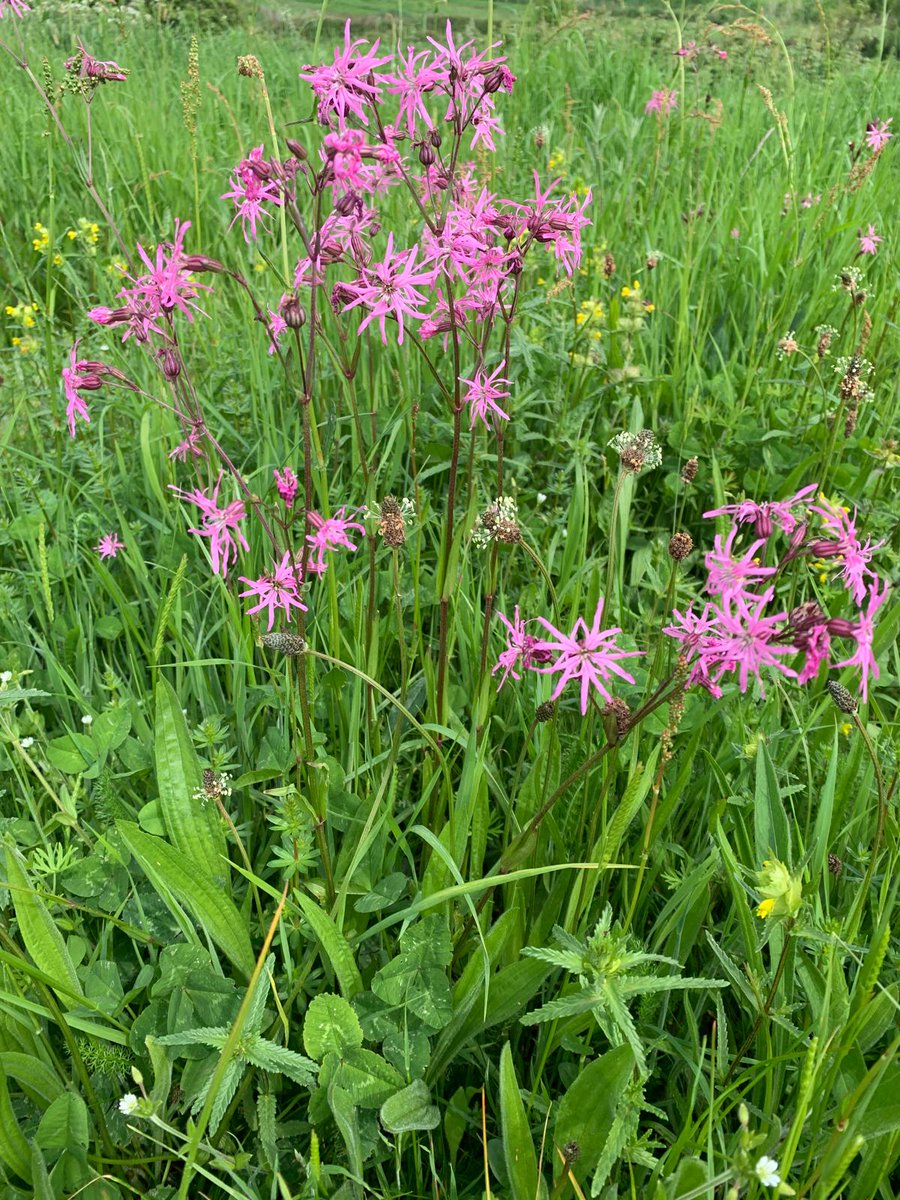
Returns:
point(87, 719)
point(5, 677)
point(767, 1172)
point(542, 496)
point(129, 1103)
point(26, 742)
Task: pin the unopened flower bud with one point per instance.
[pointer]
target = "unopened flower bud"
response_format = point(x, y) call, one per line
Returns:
point(293, 312)
point(763, 524)
point(296, 148)
point(261, 169)
point(680, 546)
point(89, 383)
point(842, 698)
point(171, 363)
point(427, 156)
point(841, 627)
point(361, 251)
point(493, 80)
point(202, 262)
point(345, 204)
point(434, 136)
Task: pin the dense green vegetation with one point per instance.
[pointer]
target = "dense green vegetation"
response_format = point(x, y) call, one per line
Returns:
point(352, 920)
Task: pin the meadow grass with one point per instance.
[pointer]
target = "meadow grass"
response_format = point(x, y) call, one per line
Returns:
point(407, 949)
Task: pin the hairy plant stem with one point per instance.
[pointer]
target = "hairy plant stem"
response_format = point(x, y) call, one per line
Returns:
point(764, 1012)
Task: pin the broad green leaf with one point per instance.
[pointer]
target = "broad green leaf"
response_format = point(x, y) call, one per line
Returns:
point(330, 1024)
point(518, 1148)
point(193, 827)
point(40, 1180)
point(14, 1150)
point(772, 834)
point(34, 1077)
point(39, 932)
point(344, 1111)
point(64, 1126)
point(335, 947)
point(367, 1078)
point(417, 978)
point(172, 874)
point(587, 1110)
point(410, 1108)
point(386, 892)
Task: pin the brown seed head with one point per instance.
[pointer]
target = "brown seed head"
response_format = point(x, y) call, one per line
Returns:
point(680, 546)
point(689, 471)
point(288, 644)
point(842, 698)
point(609, 265)
point(618, 709)
point(392, 528)
point(835, 865)
point(248, 64)
point(545, 711)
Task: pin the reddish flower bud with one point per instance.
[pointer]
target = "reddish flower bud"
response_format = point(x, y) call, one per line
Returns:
point(427, 156)
point(841, 627)
point(294, 313)
point(171, 363)
point(295, 147)
point(202, 262)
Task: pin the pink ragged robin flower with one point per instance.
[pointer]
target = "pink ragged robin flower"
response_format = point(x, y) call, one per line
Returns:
point(878, 135)
point(389, 289)
point(109, 545)
point(556, 222)
point(252, 186)
point(220, 525)
point(745, 641)
point(765, 514)
point(662, 101)
point(287, 483)
point(88, 67)
point(729, 576)
point(276, 328)
point(868, 241)
point(18, 8)
point(331, 534)
point(348, 86)
point(344, 152)
point(844, 543)
point(588, 654)
point(415, 78)
point(522, 650)
point(79, 376)
point(482, 396)
point(863, 657)
point(279, 590)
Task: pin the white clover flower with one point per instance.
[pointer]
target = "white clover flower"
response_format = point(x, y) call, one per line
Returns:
point(767, 1172)
point(26, 742)
point(87, 719)
point(129, 1102)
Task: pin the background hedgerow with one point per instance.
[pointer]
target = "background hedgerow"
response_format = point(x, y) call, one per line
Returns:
point(298, 901)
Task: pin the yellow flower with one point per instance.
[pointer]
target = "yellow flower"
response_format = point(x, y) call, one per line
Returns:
point(846, 729)
point(57, 259)
point(580, 318)
point(10, 311)
point(649, 308)
point(16, 341)
point(626, 291)
point(781, 891)
point(71, 234)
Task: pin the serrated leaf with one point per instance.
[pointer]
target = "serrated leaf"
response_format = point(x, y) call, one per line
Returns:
point(194, 828)
point(330, 1025)
point(410, 1108)
point(171, 872)
point(265, 1119)
point(282, 1061)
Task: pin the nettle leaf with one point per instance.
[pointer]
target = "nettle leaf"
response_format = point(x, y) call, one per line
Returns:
point(417, 979)
point(282, 1061)
point(331, 1026)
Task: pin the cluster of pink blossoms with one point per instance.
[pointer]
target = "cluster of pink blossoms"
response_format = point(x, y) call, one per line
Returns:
point(878, 135)
point(743, 629)
point(18, 8)
point(589, 655)
point(690, 50)
point(662, 101)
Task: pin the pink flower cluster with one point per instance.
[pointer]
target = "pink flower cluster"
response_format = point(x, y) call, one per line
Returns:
point(589, 655)
point(662, 101)
point(878, 135)
point(741, 631)
point(690, 50)
point(18, 8)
